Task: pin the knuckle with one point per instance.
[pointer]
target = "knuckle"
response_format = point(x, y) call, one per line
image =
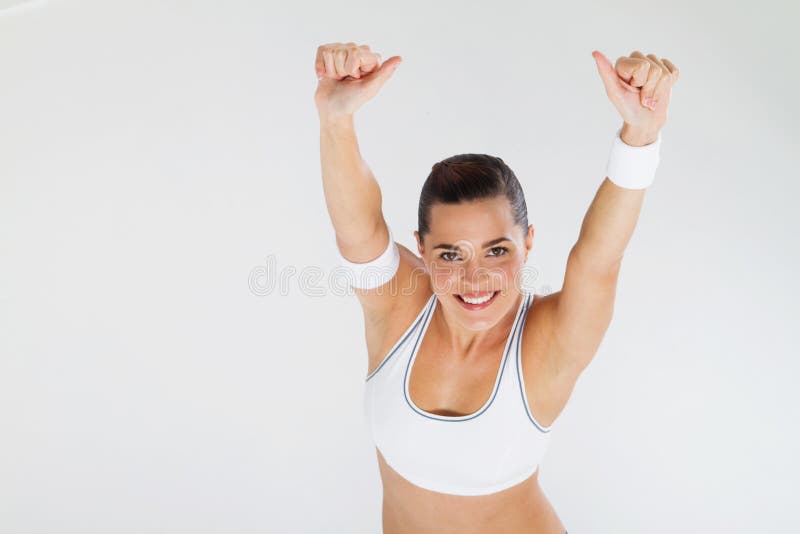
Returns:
point(355, 58)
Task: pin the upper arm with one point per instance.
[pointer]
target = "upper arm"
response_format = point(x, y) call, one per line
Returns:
point(377, 303)
point(581, 312)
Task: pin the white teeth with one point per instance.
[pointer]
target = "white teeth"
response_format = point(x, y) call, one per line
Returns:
point(477, 301)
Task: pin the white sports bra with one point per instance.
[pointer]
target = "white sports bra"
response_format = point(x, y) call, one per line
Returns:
point(497, 447)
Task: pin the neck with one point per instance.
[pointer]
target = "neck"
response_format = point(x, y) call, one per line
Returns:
point(466, 342)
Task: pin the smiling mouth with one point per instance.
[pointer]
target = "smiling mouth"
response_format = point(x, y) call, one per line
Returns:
point(476, 301)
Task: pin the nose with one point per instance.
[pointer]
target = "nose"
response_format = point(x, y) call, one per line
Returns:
point(475, 274)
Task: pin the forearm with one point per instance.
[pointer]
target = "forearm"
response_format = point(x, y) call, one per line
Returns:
point(352, 194)
point(611, 218)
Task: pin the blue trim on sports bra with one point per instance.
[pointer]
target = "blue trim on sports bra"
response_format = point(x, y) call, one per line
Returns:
point(498, 378)
point(520, 382)
point(420, 316)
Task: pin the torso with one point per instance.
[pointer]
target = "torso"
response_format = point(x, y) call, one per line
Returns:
point(522, 508)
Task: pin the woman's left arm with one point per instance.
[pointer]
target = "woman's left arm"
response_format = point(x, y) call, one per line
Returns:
point(639, 86)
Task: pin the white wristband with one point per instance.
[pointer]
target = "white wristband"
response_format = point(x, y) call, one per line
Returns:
point(633, 167)
point(374, 273)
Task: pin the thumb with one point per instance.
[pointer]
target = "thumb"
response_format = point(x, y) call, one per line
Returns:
point(613, 84)
point(386, 70)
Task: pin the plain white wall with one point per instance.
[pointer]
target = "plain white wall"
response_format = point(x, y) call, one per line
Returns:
point(160, 158)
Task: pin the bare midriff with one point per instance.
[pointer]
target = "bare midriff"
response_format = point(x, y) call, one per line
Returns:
point(410, 509)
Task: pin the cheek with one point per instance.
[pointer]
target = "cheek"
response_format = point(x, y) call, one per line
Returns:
point(503, 274)
point(507, 272)
point(443, 276)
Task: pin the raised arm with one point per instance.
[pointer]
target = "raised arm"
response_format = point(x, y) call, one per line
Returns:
point(352, 194)
point(639, 87)
point(349, 75)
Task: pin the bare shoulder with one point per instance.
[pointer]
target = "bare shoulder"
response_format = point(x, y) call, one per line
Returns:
point(391, 308)
point(379, 302)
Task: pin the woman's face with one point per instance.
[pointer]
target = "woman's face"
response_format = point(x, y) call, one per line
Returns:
point(475, 250)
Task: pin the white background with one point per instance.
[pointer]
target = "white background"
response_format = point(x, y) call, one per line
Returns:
point(155, 155)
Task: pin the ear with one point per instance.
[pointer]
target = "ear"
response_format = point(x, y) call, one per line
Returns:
point(529, 240)
point(419, 244)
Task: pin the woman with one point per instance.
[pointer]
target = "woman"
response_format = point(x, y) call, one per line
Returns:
point(468, 371)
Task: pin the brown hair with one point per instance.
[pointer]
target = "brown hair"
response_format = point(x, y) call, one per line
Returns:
point(467, 177)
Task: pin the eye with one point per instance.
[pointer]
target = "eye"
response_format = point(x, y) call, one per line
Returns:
point(501, 251)
point(444, 254)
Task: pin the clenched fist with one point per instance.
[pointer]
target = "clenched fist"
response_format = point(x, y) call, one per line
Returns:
point(639, 86)
point(349, 75)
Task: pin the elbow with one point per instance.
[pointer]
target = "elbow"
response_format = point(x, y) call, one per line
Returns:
point(365, 246)
point(357, 231)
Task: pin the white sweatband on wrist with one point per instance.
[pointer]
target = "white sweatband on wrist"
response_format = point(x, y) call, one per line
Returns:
point(374, 273)
point(633, 167)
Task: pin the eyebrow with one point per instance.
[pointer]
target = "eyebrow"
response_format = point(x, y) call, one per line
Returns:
point(487, 244)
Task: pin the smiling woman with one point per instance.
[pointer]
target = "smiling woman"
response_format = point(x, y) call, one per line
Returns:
point(474, 194)
point(467, 371)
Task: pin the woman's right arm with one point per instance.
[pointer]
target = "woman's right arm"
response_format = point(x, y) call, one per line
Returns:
point(352, 194)
point(349, 76)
